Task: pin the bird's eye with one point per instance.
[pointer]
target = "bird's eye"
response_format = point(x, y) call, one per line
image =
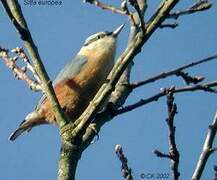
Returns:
point(100, 36)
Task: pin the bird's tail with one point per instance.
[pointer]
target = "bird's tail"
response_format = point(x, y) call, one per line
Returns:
point(31, 120)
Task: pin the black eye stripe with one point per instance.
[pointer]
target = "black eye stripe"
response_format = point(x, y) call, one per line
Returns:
point(109, 33)
point(96, 37)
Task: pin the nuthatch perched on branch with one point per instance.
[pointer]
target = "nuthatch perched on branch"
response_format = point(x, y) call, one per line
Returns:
point(78, 82)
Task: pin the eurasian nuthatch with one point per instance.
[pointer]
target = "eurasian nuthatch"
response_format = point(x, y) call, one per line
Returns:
point(78, 82)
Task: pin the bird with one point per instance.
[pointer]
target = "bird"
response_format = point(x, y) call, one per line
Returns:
point(77, 83)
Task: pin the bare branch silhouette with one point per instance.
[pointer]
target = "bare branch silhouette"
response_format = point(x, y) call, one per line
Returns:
point(126, 171)
point(173, 154)
point(201, 5)
point(207, 87)
point(171, 72)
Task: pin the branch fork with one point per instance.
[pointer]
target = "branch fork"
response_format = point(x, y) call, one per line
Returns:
point(20, 73)
point(173, 153)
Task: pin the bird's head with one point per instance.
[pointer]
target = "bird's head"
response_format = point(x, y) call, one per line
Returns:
point(102, 40)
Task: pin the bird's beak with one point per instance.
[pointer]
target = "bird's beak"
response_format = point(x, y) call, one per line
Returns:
point(118, 30)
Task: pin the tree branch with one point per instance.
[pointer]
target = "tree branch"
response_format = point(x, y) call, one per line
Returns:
point(105, 6)
point(201, 5)
point(207, 150)
point(14, 12)
point(171, 72)
point(122, 62)
point(80, 133)
point(173, 151)
point(23, 56)
point(200, 87)
point(76, 136)
point(118, 96)
point(169, 25)
point(140, 12)
point(173, 154)
point(19, 73)
point(126, 171)
point(123, 10)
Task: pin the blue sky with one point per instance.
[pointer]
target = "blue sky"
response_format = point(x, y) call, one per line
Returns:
point(59, 33)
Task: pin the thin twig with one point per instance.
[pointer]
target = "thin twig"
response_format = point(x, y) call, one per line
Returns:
point(171, 72)
point(197, 7)
point(123, 10)
point(207, 149)
point(169, 25)
point(135, 4)
point(200, 87)
point(19, 73)
point(124, 7)
point(173, 151)
point(161, 154)
point(23, 56)
point(143, 5)
point(126, 171)
point(104, 6)
point(190, 79)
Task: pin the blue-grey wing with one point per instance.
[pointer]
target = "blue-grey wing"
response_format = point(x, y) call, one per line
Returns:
point(71, 69)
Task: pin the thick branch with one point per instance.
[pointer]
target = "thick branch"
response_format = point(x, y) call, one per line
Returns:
point(118, 96)
point(14, 12)
point(207, 150)
point(121, 64)
point(80, 128)
point(69, 156)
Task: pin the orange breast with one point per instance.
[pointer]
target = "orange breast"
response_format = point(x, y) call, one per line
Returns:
point(75, 94)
